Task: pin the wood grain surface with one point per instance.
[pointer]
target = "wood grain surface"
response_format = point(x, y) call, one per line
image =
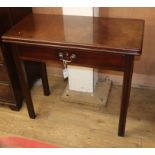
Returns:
point(93, 33)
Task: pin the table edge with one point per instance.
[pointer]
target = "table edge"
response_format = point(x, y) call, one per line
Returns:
point(134, 52)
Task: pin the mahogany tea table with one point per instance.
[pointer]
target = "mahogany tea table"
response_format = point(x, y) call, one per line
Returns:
point(98, 42)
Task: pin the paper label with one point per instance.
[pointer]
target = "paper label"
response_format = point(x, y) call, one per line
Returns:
point(65, 73)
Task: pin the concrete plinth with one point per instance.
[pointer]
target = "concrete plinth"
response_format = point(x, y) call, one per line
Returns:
point(96, 99)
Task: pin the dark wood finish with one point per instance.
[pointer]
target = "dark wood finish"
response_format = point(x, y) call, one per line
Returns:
point(8, 72)
point(103, 59)
point(45, 80)
point(24, 82)
point(76, 32)
point(4, 20)
point(127, 78)
point(4, 75)
point(17, 13)
point(107, 43)
point(5, 93)
point(1, 57)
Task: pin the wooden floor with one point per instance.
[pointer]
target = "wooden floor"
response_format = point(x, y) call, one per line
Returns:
point(74, 125)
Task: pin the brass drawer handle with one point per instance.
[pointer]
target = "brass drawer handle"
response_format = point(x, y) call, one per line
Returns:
point(61, 57)
point(73, 56)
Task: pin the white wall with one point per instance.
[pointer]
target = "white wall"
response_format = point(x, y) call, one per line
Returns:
point(80, 11)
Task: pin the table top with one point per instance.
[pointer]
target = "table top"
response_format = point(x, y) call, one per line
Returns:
point(93, 33)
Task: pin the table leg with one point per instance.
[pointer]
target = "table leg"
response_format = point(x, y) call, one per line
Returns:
point(44, 79)
point(22, 79)
point(127, 78)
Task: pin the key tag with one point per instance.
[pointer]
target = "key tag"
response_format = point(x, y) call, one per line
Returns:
point(65, 70)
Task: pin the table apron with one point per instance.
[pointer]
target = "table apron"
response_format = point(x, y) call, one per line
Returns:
point(101, 60)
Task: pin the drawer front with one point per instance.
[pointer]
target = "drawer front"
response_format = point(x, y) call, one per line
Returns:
point(5, 93)
point(3, 74)
point(100, 59)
